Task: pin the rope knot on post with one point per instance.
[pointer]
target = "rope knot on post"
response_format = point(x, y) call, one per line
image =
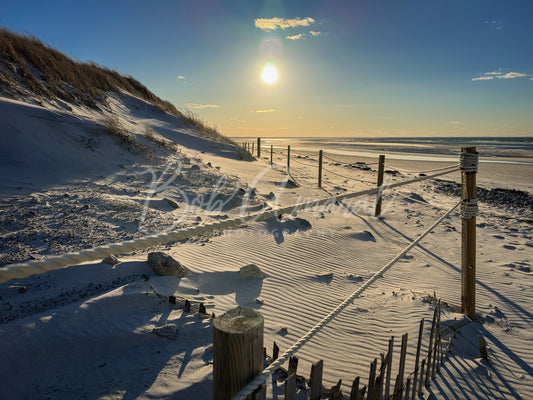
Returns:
point(468, 162)
point(469, 209)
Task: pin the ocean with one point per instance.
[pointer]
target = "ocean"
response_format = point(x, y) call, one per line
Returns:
point(508, 150)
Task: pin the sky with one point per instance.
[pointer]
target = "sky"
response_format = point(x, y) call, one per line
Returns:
point(368, 68)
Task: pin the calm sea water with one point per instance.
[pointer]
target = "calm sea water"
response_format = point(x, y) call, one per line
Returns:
point(491, 149)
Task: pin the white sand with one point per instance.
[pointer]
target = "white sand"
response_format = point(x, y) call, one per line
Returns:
point(85, 331)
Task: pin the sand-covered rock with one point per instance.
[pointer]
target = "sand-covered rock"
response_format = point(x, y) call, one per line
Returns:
point(163, 264)
point(170, 331)
point(252, 271)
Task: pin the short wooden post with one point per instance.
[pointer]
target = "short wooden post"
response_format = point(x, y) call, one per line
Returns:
point(430, 347)
point(417, 360)
point(354, 394)
point(271, 153)
point(293, 365)
point(389, 366)
point(401, 368)
point(258, 147)
point(381, 170)
point(288, 157)
point(372, 379)
point(421, 382)
point(253, 148)
point(468, 249)
point(237, 351)
point(483, 348)
point(290, 387)
point(315, 380)
point(435, 349)
point(320, 168)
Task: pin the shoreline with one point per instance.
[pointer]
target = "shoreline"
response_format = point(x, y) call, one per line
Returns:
point(509, 174)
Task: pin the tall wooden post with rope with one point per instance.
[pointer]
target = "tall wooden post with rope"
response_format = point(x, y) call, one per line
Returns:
point(469, 210)
point(381, 169)
point(320, 168)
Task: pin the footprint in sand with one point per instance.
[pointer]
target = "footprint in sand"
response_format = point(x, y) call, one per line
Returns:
point(509, 247)
point(498, 237)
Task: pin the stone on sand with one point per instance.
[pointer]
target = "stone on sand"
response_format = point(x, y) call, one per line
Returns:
point(163, 264)
point(252, 271)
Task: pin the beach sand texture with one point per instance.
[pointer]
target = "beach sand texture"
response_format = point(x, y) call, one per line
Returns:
point(87, 331)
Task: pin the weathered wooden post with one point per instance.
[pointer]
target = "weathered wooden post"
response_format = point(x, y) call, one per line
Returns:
point(253, 148)
point(320, 168)
point(258, 147)
point(237, 351)
point(288, 157)
point(417, 364)
point(469, 208)
point(381, 170)
point(271, 153)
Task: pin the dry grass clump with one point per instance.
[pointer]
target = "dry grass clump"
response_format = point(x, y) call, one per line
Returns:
point(159, 140)
point(115, 128)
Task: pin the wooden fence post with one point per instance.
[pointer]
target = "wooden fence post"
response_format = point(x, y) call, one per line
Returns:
point(258, 147)
point(417, 361)
point(253, 148)
point(468, 249)
point(315, 380)
point(237, 351)
point(320, 168)
point(401, 368)
point(381, 170)
point(389, 366)
point(288, 157)
point(271, 153)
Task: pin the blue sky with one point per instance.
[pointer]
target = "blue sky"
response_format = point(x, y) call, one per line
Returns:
point(346, 68)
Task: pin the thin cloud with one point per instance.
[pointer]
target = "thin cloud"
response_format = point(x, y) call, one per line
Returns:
point(512, 75)
point(194, 105)
point(314, 33)
point(296, 37)
point(264, 111)
point(180, 77)
point(270, 24)
point(495, 25)
point(487, 76)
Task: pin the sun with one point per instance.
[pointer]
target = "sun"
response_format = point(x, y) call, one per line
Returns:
point(269, 74)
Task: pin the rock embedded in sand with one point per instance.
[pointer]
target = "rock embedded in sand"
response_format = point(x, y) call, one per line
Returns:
point(111, 260)
point(163, 264)
point(170, 331)
point(172, 203)
point(252, 271)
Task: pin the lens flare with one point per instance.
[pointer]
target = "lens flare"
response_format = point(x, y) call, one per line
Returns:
point(269, 74)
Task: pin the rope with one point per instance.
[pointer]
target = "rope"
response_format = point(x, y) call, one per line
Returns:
point(56, 262)
point(344, 162)
point(332, 159)
point(301, 154)
point(261, 378)
point(345, 177)
point(469, 209)
point(468, 162)
point(300, 161)
point(424, 172)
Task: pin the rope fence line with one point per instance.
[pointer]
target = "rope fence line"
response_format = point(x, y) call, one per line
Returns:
point(22, 270)
point(261, 378)
point(423, 172)
point(351, 178)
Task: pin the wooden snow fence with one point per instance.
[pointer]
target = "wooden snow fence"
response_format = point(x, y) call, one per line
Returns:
point(380, 384)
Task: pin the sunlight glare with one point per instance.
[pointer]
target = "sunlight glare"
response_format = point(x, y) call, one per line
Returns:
point(269, 74)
